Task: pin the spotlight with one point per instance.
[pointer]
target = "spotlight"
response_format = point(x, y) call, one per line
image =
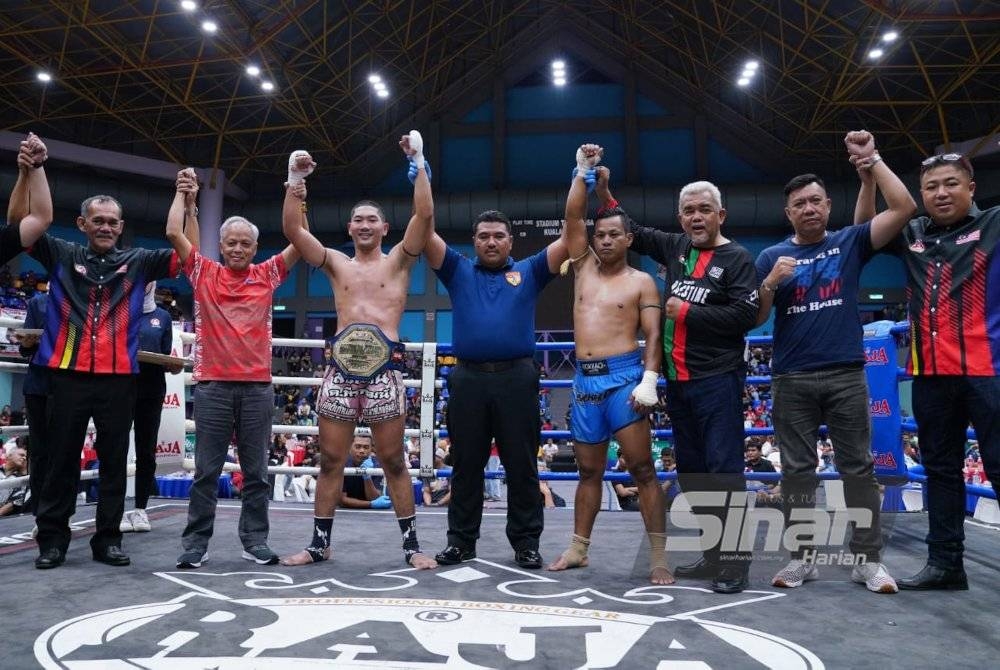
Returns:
point(253, 70)
point(374, 79)
point(748, 74)
point(44, 77)
point(267, 86)
point(378, 86)
point(558, 65)
point(209, 26)
point(743, 81)
point(890, 36)
point(189, 5)
point(559, 81)
point(875, 54)
point(382, 93)
point(751, 65)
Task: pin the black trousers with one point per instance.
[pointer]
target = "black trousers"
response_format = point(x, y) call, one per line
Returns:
point(76, 397)
point(35, 406)
point(483, 406)
point(148, 409)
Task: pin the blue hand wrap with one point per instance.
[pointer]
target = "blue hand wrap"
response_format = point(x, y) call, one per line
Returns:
point(589, 178)
point(411, 173)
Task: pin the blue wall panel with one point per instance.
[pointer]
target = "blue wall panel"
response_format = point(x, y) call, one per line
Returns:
point(411, 326)
point(666, 157)
point(535, 161)
point(726, 168)
point(551, 102)
point(470, 160)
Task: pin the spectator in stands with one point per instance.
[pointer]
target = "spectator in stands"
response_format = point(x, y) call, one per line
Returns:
point(768, 493)
point(14, 500)
point(437, 491)
point(625, 489)
point(358, 491)
point(668, 463)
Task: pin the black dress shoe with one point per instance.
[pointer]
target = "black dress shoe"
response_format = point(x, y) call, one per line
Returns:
point(50, 558)
point(730, 580)
point(700, 569)
point(528, 558)
point(112, 556)
point(453, 555)
point(934, 578)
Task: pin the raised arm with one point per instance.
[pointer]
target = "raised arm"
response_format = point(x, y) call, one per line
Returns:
point(30, 201)
point(574, 232)
point(901, 206)
point(293, 212)
point(864, 208)
point(183, 215)
point(783, 268)
point(421, 225)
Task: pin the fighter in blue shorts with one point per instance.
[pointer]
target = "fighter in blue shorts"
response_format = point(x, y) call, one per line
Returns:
point(615, 384)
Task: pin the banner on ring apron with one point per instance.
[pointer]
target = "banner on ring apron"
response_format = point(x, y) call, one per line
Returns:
point(170, 439)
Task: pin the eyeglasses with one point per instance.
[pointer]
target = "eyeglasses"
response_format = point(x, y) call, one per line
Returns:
point(941, 159)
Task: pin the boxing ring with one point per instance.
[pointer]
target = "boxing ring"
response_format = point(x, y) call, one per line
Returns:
point(366, 609)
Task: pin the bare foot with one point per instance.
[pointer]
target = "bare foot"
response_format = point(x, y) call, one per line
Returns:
point(563, 563)
point(303, 558)
point(660, 575)
point(422, 562)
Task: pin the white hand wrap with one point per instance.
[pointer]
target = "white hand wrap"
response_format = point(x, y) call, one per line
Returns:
point(582, 162)
point(417, 147)
point(297, 175)
point(645, 393)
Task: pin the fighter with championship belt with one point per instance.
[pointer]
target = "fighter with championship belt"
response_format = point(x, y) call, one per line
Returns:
point(364, 381)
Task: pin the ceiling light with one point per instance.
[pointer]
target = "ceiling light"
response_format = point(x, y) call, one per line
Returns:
point(748, 73)
point(44, 77)
point(382, 93)
point(209, 26)
point(558, 65)
point(253, 70)
point(751, 65)
point(267, 86)
point(890, 36)
point(378, 86)
point(743, 81)
point(559, 81)
point(189, 5)
point(374, 79)
point(875, 54)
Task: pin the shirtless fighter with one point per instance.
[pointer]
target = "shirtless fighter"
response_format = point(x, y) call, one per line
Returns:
point(363, 381)
point(615, 385)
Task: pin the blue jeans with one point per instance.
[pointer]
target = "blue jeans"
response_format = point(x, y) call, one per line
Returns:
point(943, 407)
point(837, 397)
point(220, 409)
point(707, 418)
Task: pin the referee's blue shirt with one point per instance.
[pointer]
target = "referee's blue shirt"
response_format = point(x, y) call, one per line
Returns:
point(493, 311)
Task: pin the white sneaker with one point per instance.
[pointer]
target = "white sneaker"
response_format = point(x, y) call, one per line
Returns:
point(875, 578)
point(140, 522)
point(126, 524)
point(795, 574)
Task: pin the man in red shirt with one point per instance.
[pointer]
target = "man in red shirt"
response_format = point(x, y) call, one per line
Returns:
point(232, 368)
point(953, 278)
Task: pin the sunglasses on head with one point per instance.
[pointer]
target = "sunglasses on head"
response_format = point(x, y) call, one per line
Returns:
point(942, 159)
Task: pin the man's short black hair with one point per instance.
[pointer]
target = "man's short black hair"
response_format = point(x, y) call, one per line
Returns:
point(801, 181)
point(667, 451)
point(491, 216)
point(609, 212)
point(369, 203)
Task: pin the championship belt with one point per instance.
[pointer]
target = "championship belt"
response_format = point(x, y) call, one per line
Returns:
point(362, 351)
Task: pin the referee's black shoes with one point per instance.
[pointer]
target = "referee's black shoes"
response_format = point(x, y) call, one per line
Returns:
point(453, 555)
point(528, 558)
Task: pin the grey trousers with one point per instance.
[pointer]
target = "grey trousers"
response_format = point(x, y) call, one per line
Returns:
point(220, 410)
point(837, 397)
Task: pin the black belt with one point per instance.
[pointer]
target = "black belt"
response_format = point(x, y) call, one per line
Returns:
point(494, 366)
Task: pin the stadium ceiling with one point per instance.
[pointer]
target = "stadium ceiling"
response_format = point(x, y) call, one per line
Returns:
point(141, 77)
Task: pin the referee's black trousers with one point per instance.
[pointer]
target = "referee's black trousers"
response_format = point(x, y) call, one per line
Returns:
point(501, 405)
